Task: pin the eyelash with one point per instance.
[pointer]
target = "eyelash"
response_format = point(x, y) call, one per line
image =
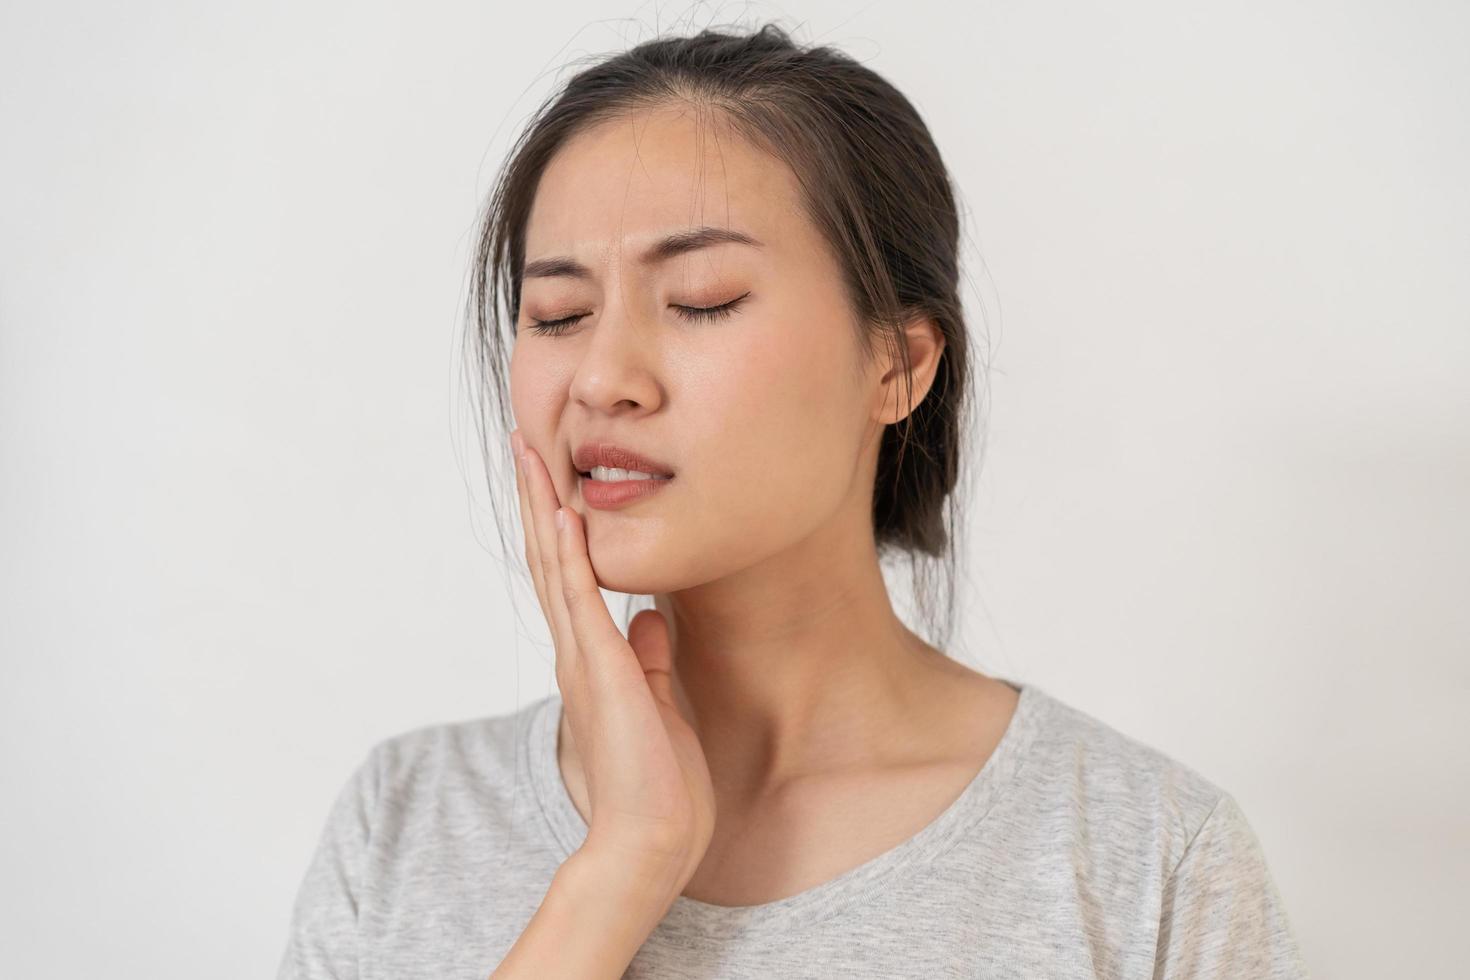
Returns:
point(555, 327)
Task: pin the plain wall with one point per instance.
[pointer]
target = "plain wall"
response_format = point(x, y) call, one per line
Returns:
point(1222, 252)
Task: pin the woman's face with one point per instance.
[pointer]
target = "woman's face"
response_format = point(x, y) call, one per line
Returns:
point(764, 415)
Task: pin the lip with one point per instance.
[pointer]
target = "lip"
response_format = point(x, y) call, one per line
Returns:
point(611, 494)
point(591, 454)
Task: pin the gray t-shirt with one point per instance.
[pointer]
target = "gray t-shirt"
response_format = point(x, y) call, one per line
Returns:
point(1076, 851)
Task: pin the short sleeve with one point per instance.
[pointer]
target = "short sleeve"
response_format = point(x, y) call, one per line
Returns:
point(1222, 916)
point(322, 940)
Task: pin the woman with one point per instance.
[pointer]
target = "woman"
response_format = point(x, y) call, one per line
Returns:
point(732, 270)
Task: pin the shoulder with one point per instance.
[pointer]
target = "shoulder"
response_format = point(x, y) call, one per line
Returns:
point(1110, 833)
point(481, 753)
point(1131, 795)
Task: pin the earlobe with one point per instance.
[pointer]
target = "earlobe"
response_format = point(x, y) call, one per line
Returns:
point(926, 345)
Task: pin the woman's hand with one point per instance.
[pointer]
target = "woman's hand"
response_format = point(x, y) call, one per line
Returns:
point(653, 807)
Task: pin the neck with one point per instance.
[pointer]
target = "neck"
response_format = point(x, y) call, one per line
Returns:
point(799, 665)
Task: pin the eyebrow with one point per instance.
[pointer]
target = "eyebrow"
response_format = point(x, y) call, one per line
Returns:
point(666, 248)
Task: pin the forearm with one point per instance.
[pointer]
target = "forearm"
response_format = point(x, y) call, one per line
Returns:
point(592, 921)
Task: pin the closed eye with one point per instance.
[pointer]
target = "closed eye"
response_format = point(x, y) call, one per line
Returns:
point(711, 312)
point(554, 327)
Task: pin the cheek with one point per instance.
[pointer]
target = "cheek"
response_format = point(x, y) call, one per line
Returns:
point(785, 406)
point(533, 378)
point(777, 433)
point(537, 391)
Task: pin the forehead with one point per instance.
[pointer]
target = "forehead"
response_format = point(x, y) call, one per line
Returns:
point(630, 181)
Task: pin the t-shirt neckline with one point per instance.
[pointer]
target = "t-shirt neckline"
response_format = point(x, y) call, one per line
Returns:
point(689, 921)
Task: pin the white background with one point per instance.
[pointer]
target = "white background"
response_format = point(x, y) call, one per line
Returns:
point(243, 528)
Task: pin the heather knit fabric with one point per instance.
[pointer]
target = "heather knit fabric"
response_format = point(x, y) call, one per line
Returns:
point(1077, 851)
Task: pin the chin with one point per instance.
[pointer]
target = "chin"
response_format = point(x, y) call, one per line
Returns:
point(620, 569)
point(632, 583)
point(636, 571)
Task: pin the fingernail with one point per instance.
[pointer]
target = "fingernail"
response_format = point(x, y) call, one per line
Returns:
point(561, 519)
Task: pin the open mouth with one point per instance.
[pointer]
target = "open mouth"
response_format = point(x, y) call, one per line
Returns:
point(587, 475)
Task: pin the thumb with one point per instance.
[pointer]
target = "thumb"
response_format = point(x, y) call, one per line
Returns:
point(648, 635)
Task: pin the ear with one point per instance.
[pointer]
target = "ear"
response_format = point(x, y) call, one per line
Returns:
point(898, 397)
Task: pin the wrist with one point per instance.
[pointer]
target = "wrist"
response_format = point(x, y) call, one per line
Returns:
point(638, 883)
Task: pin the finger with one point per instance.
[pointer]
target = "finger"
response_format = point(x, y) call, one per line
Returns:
point(528, 530)
point(587, 615)
point(544, 504)
point(648, 635)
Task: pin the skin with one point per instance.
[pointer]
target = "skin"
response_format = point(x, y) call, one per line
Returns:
point(832, 732)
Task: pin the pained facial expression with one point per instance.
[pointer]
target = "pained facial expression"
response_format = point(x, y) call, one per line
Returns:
point(762, 414)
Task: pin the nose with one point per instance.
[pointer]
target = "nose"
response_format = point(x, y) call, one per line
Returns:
point(619, 365)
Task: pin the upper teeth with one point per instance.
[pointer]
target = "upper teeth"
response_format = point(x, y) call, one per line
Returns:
point(613, 473)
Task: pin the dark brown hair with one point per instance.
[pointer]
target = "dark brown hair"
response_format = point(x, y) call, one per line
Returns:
point(872, 182)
